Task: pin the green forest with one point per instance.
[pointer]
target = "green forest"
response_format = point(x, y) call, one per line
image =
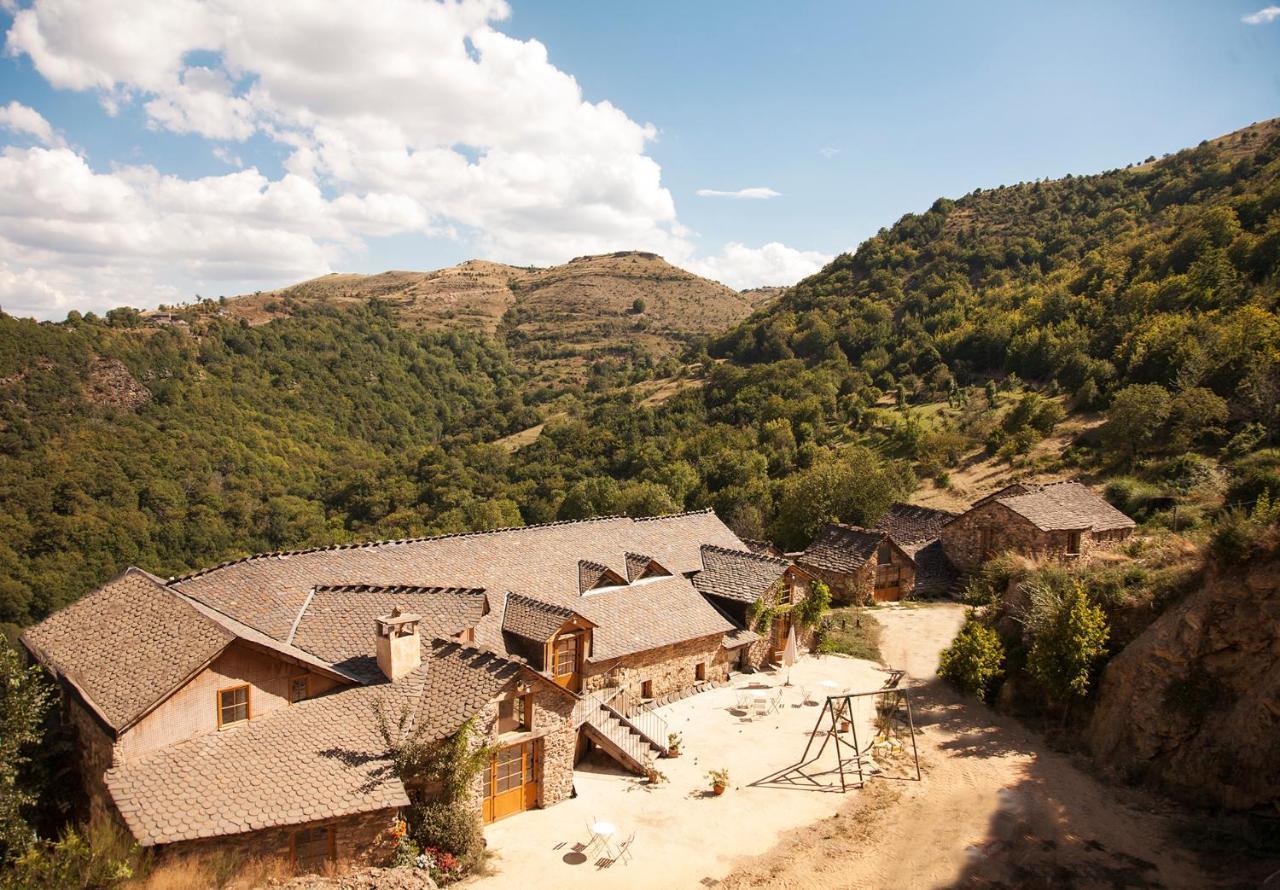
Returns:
point(1146, 296)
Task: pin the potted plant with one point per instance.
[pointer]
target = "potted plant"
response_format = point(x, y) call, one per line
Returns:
point(673, 744)
point(654, 775)
point(719, 781)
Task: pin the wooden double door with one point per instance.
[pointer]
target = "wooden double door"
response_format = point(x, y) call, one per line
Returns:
point(512, 780)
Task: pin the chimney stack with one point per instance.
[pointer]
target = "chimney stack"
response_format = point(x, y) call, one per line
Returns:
point(399, 649)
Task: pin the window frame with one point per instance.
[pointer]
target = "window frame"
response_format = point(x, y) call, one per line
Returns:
point(1075, 541)
point(570, 641)
point(331, 854)
point(248, 704)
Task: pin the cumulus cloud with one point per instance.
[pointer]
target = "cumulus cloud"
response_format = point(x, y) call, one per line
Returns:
point(398, 117)
point(740, 266)
point(759, 193)
point(1263, 16)
point(18, 118)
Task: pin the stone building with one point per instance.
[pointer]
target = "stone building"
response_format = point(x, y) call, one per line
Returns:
point(237, 708)
point(860, 565)
point(739, 582)
point(918, 530)
point(1059, 520)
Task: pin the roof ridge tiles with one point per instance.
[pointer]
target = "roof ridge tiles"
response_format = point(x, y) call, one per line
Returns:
point(361, 545)
point(704, 510)
point(761, 557)
point(541, 604)
point(396, 588)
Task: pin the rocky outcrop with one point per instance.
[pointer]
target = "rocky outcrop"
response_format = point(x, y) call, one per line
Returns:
point(111, 384)
point(1193, 703)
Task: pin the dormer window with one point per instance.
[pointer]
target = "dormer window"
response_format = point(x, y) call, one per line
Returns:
point(233, 705)
point(594, 576)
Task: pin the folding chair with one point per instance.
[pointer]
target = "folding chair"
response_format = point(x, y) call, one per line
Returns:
point(623, 852)
point(775, 702)
point(744, 700)
point(596, 839)
point(760, 707)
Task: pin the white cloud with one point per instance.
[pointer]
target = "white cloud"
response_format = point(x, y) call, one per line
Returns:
point(399, 117)
point(18, 118)
point(740, 266)
point(759, 193)
point(1263, 16)
point(828, 151)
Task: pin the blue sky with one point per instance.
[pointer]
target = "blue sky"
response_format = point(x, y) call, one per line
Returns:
point(215, 148)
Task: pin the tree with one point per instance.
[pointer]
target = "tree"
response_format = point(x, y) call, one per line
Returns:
point(25, 698)
point(1137, 414)
point(855, 487)
point(1196, 413)
point(1070, 637)
point(975, 658)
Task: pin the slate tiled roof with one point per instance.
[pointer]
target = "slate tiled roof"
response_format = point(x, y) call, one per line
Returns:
point(934, 572)
point(1066, 506)
point(840, 548)
point(316, 759)
point(641, 566)
point(455, 682)
point(337, 621)
point(127, 645)
point(909, 524)
point(269, 591)
point(765, 548)
point(651, 613)
point(593, 574)
point(532, 619)
point(739, 637)
point(737, 574)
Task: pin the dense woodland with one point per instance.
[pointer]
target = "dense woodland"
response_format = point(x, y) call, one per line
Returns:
point(1149, 293)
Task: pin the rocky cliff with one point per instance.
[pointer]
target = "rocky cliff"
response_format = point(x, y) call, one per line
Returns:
point(1193, 703)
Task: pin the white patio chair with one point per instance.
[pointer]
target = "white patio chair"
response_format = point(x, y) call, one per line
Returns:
point(775, 702)
point(623, 852)
point(744, 700)
point(595, 839)
point(760, 707)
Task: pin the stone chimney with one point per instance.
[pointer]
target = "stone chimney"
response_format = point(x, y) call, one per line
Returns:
point(398, 643)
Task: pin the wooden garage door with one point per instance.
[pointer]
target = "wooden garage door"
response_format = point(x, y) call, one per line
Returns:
point(512, 781)
point(888, 583)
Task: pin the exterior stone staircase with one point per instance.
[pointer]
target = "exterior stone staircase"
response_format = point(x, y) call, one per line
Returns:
point(628, 742)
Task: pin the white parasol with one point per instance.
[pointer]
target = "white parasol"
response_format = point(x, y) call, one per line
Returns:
point(789, 652)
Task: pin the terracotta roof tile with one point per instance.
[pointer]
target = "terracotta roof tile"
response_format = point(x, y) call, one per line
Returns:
point(127, 645)
point(454, 684)
point(649, 614)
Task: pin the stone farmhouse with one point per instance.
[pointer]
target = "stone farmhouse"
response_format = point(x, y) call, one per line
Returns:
point(915, 551)
point(238, 708)
point(1058, 520)
point(859, 565)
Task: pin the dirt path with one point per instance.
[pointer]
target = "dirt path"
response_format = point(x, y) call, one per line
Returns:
point(996, 807)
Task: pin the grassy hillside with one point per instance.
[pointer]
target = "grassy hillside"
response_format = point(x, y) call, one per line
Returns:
point(558, 322)
point(1121, 326)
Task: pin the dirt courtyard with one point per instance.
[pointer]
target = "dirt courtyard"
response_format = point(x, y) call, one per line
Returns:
point(684, 835)
point(996, 807)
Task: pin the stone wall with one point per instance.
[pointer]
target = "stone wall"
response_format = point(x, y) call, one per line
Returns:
point(671, 669)
point(849, 588)
point(360, 839)
point(95, 752)
point(961, 538)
